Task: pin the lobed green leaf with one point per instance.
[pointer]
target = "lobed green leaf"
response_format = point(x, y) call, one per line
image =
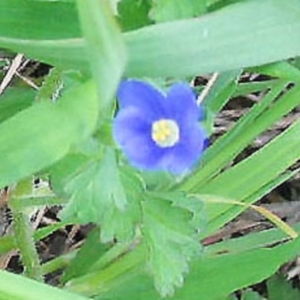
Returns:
point(93, 198)
point(170, 239)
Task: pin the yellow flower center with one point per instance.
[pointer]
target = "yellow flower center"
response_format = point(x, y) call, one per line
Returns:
point(165, 133)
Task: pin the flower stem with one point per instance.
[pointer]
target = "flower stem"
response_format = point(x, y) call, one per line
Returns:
point(23, 233)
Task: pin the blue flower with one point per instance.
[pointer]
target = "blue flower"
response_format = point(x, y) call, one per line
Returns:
point(157, 131)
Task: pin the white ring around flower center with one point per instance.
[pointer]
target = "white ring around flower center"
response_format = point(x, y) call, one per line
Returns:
point(165, 133)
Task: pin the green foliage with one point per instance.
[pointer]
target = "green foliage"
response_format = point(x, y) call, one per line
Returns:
point(250, 295)
point(171, 241)
point(27, 289)
point(279, 288)
point(21, 130)
point(98, 194)
point(148, 226)
point(213, 277)
point(133, 14)
point(11, 103)
point(168, 10)
point(86, 257)
point(212, 43)
point(105, 48)
point(52, 86)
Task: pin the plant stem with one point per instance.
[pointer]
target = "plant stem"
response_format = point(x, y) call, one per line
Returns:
point(24, 238)
point(58, 262)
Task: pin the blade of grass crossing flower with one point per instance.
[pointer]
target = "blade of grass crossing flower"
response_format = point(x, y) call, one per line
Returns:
point(216, 43)
point(210, 43)
point(105, 48)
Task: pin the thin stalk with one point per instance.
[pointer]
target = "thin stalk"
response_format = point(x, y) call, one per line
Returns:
point(23, 233)
point(58, 263)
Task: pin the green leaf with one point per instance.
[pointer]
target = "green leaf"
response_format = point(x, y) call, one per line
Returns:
point(36, 137)
point(247, 88)
point(64, 169)
point(233, 210)
point(259, 118)
point(95, 199)
point(105, 49)
point(86, 257)
point(282, 69)
point(219, 94)
point(251, 295)
point(209, 44)
point(250, 241)
point(8, 242)
point(212, 277)
point(171, 242)
point(188, 203)
point(119, 270)
point(61, 20)
point(30, 289)
point(133, 14)
point(169, 10)
point(232, 297)
point(11, 102)
point(279, 288)
point(254, 172)
point(221, 91)
point(51, 87)
point(214, 42)
point(214, 5)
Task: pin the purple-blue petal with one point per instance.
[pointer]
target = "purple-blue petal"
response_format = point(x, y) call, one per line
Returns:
point(142, 96)
point(181, 103)
point(140, 105)
point(188, 151)
point(133, 134)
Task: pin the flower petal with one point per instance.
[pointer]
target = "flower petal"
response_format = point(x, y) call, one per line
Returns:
point(141, 105)
point(133, 134)
point(142, 96)
point(186, 153)
point(181, 102)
